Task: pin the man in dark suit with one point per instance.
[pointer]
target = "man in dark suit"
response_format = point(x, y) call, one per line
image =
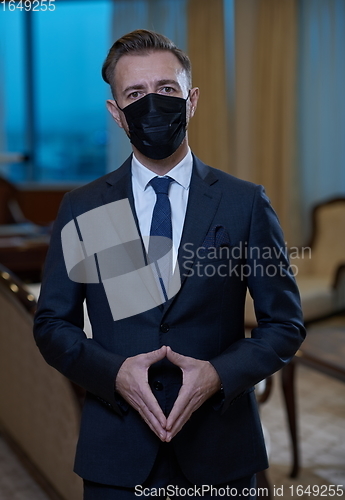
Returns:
point(170, 401)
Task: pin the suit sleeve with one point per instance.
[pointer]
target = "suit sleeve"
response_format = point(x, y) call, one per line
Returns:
point(280, 329)
point(59, 322)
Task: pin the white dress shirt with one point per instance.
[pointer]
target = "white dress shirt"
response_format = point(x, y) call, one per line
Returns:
point(145, 197)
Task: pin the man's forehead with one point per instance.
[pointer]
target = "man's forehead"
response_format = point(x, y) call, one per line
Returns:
point(158, 66)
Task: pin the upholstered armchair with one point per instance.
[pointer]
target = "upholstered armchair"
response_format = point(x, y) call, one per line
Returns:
point(319, 267)
point(319, 274)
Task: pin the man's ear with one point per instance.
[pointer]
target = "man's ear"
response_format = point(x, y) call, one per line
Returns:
point(114, 111)
point(193, 97)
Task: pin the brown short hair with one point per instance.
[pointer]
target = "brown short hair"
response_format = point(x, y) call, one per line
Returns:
point(141, 41)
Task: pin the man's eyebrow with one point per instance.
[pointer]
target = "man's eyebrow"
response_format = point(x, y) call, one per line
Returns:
point(141, 86)
point(168, 82)
point(138, 86)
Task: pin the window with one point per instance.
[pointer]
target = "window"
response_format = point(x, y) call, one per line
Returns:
point(52, 106)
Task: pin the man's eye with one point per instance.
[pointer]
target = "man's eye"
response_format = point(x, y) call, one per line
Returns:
point(134, 95)
point(168, 90)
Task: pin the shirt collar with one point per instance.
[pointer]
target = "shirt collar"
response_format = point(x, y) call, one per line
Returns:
point(181, 173)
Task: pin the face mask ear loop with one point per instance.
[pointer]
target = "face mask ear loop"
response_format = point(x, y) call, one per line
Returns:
point(117, 104)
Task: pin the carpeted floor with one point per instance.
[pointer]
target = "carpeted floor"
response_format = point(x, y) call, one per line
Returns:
point(321, 406)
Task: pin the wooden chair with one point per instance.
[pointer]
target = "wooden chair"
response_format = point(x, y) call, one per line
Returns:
point(321, 281)
point(39, 409)
point(323, 350)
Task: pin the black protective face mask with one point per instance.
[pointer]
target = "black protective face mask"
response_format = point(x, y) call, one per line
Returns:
point(157, 124)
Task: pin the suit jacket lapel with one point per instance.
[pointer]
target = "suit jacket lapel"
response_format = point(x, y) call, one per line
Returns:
point(119, 187)
point(203, 201)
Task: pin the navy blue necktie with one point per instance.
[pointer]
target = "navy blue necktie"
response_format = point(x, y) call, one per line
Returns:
point(161, 226)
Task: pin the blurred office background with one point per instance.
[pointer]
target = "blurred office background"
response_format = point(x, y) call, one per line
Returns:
point(271, 75)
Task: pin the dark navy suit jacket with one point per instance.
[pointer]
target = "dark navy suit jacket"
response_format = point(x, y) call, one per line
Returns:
point(222, 440)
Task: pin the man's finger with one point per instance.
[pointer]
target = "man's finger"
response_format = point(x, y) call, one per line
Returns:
point(181, 403)
point(176, 358)
point(142, 399)
point(180, 421)
point(152, 405)
point(147, 406)
point(154, 356)
point(152, 422)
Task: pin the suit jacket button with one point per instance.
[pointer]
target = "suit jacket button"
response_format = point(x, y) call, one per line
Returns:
point(158, 386)
point(164, 328)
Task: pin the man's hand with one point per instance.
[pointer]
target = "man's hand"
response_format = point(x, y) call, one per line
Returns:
point(200, 381)
point(132, 383)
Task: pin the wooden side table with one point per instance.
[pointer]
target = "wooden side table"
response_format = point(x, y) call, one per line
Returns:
point(323, 350)
point(23, 248)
